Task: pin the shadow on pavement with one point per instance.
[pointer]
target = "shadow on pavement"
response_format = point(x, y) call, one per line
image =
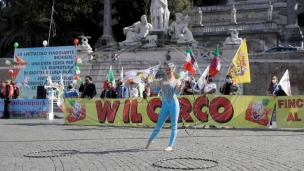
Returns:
point(118, 151)
point(33, 124)
point(50, 140)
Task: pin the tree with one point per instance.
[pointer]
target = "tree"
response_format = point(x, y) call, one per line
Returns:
point(24, 21)
point(27, 22)
point(74, 18)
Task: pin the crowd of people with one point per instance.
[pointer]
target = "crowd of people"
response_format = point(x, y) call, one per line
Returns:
point(190, 87)
point(9, 91)
point(88, 90)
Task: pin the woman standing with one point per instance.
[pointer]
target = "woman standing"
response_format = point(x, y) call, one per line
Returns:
point(273, 89)
point(170, 106)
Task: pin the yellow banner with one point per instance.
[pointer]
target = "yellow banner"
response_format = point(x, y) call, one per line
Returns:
point(290, 111)
point(217, 110)
point(239, 69)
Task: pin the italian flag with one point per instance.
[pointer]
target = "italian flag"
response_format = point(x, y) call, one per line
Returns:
point(215, 64)
point(190, 61)
point(111, 78)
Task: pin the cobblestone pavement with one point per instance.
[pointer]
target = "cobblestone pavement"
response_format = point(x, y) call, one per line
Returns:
point(122, 148)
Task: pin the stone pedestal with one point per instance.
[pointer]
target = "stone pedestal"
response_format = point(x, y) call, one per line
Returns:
point(105, 40)
point(292, 35)
point(162, 37)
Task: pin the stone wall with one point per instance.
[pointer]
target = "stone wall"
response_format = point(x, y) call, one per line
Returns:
point(264, 65)
point(252, 23)
point(251, 12)
point(234, 2)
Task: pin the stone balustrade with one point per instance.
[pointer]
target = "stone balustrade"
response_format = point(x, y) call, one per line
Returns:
point(243, 28)
point(221, 8)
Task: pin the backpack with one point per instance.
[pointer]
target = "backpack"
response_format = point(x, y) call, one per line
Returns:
point(8, 92)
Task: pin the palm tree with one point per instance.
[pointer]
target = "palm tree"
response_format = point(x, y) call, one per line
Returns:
point(24, 21)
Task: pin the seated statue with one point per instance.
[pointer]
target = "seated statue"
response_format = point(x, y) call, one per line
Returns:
point(179, 30)
point(234, 39)
point(137, 32)
point(84, 46)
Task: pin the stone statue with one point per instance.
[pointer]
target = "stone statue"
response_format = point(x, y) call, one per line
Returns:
point(233, 15)
point(234, 39)
point(199, 17)
point(84, 46)
point(152, 39)
point(137, 32)
point(269, 11)
point(159, 14)
point(179, 30)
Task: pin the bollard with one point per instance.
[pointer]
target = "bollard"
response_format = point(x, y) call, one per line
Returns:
point(50, 115)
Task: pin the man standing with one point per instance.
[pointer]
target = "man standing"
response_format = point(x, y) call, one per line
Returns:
point(89, 89)
point(8, 93)
point(82, 85)
point(159, 14)
point(208, 88)
point(108, 92)
point(230, 87)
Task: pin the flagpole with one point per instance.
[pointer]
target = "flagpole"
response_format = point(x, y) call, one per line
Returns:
point(199, 71)
point(51, 23)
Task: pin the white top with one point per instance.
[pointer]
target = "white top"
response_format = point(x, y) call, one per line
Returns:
point(209, 87)
point(168, 89)
point(133, 92)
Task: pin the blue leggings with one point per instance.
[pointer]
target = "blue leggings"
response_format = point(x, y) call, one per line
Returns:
point(168, 108)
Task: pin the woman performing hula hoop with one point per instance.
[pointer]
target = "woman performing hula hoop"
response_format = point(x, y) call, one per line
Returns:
point(170, 106)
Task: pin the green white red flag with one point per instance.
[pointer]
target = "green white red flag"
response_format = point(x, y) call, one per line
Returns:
point(190, 62)
point(215, 64)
